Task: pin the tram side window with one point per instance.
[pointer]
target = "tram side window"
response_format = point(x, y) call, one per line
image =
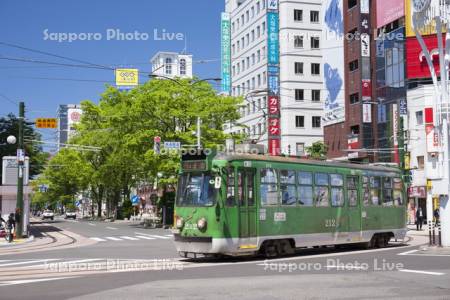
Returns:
point(398, 192)
point(305, 190)
point(288, 188)
point(337, 190)
point(240, 179)
point(366, 190)
point(321, 193)
point(269, 187)
point(387, 192)
point(352, 190)
point(250, 194)
point(230, 189)
point(375, 190)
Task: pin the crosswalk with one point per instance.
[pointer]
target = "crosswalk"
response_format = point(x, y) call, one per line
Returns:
point(27, 271)
point(138, 237)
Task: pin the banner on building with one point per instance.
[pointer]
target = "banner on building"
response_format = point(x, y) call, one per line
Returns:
point(428, 29)
point(395, 132)
point(432, 139)
point(367, 113)
point(365, 45)
point(333, 64)
point(226, 53)
point(273, 57)
point(366, 89)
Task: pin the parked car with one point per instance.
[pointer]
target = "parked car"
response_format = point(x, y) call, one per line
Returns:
point(48, 214)
point(70, 215)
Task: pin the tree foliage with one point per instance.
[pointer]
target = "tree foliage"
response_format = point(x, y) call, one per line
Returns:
point(123, 124)
point(317, 150)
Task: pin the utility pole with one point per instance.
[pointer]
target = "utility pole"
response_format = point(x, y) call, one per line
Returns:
point(20, 175)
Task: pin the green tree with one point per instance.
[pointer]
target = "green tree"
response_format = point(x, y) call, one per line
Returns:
point(317, 150)
point(9, 125)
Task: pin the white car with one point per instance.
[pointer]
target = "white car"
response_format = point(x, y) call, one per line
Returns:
point(48, 214)
point(70, 215)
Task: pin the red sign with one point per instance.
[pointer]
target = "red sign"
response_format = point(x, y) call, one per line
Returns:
point(353, 143)
point(416, 64)
point(274, 147)
point(428, 115)
point(274, 107)
point(274, 127)
point(389, 11)
point(417, 191)
point(366, 88)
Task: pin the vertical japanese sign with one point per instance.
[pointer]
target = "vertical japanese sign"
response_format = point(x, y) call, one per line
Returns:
point(395, 128)
point(226, 53)
point(273, 71)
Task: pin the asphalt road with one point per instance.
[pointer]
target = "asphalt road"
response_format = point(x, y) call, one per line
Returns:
point(123, 264)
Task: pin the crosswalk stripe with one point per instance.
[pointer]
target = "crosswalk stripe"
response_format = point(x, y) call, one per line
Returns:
point(129, 238)
point(112, 228)
point(154, 235)
point(145, 237)
point(13, 282)
point(97, 239)
point(113, 238)
point(27, 262)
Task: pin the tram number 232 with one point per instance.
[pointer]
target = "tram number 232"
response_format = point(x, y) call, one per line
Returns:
point(330, 223)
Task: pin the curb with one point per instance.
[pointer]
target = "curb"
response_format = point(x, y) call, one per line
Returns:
point(17, 242)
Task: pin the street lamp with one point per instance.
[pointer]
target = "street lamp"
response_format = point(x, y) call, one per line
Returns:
point(11, 140)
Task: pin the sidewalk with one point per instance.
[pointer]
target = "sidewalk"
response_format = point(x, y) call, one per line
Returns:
point(434, 250)
point(15, 242)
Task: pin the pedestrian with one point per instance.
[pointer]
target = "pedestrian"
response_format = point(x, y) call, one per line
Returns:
point(11, 227)
point(419, 218)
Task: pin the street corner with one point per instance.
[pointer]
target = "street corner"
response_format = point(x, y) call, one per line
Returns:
point(16, 242)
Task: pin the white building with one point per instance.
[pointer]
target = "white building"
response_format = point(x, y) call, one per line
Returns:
point(172, 64)
point(299, 62)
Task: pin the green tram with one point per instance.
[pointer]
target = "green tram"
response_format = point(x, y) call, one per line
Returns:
point(245, 204)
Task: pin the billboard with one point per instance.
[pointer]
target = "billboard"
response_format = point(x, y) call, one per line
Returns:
point(389, 11)
point(74, 116)
point(333, 64)
point(429, 28)
point(9, 170)
point(416, 64)
point(226, 53)
point(127, 77)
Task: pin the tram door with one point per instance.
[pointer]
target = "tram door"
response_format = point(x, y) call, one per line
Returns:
point(354, 196)
point(247, 205)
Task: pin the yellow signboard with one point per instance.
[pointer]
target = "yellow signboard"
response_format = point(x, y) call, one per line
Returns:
point(46, 123)
point(127, 77)
point(429, 29)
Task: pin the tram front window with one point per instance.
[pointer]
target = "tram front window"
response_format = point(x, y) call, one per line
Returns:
point(196, 190)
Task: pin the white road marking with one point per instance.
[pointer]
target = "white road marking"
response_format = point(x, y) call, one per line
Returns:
point(169, 235)
point(129, 238)
point(408, 252)
point(145, 237)
point(66, 262)
point(154, 235)
point(347, 268)
point(113, 238)
point(112, 228)
point(97, 239)
point(421, 272)
point(13, 282)
point(26, 262)
point(92, 224)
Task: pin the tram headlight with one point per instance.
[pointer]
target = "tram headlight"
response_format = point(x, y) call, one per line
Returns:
point(201, 224)
point(180, 223)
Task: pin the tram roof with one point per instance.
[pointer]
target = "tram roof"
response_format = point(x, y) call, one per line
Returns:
point(282, 159)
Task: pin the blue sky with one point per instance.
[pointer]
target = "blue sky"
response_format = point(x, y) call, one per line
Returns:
point(24, 22)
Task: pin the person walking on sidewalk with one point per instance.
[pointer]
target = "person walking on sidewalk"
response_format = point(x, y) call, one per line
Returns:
point(419, 218)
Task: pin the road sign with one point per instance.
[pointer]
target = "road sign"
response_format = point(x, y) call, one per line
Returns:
point(135, 200)
point(46, 123)
point(127, 77)
point(172, 145)
point(157, 139)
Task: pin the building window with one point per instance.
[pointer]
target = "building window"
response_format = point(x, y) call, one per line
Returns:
point(253, 35)
point(315, 95)
point(419, 117)
point(298, 41)
point(315, 69)
point(354, 98)
point(258, 32)
point(259, 80)
point(168, 66)
point(298, 15)
point(299, 68)
point(264, 77)
point(315, 42)
point(299, 121)
point(353, 65)
point(354, 130)
point(253, 59)
point(299, 94)
point(314, 16)
point(258, 7)
point(420, 162)
point(352, 3)
point(263, 27)
point(182, 66)
point(258, 55)
point(316, 121)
